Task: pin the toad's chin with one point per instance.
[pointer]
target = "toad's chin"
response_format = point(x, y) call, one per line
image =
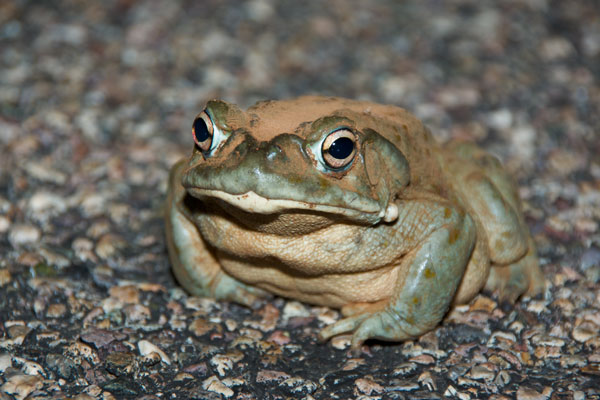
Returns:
point(253, 203)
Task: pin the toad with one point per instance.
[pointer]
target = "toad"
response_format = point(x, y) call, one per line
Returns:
point(346, 204)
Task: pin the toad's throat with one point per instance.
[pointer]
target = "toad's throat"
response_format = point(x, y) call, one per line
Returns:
point(254, 203)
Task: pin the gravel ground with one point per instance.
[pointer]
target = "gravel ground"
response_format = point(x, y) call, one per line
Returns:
point(96, 103)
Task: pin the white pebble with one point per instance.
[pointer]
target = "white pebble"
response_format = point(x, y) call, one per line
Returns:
point(21, 234)
point(147, 348)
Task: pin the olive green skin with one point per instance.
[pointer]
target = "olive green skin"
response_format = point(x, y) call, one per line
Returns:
point(394, 238)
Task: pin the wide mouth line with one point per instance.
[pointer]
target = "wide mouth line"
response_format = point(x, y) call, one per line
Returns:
point(253, 202)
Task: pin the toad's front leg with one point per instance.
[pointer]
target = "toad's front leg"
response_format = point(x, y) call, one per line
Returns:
point(442, 241)
point(194, 264)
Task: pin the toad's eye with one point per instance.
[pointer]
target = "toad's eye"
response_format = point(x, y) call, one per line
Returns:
point(339, 148)
point(203, 132)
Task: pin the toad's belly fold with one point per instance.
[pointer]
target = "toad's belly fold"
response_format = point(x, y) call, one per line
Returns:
point(332, 290)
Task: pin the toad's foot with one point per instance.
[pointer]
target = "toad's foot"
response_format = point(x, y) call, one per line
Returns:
point(381, 325)
point(230, 289)
point(522, 277)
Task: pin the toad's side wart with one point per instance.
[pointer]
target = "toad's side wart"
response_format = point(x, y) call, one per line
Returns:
point(344, 204)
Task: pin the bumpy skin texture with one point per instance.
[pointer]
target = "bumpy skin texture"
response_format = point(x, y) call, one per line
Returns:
point(394, 238)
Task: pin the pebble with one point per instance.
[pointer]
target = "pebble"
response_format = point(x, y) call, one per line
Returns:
point(5, 277)
point(326, 315)
point(127, 294)
point(266, 375)
point(146, 348)
point(525, 393)
point(108, 245)
point(423, 359)
point(368, 386)
point(537, 307)
point(5, 362)
point(22, 234)
point(120, 363)
point(43, 205)
point(294, 309)
point(101, 337)
point(213, 384)
point(341, 342)
point(405, 369)
point(584, 332)
point(200, 327)
point(299, 385)
point(427, 381)
point(4, 223)
point(21, 385)
point(56, 310)
point(225, 362)
point(485, 372)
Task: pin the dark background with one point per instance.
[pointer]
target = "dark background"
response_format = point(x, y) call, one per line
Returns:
point(97, 101)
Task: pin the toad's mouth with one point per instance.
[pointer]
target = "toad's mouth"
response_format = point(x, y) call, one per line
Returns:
point(254, 203)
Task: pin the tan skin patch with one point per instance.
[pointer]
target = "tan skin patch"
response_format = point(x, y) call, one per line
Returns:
point(429, 273)
point(447, 213)
point(453, 236)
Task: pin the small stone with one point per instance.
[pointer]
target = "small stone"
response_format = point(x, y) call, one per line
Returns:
point(5, 277)
point(547, 340)
point(183, 376)
point(294, 309)
point(569, 361)
point(591, 369)
point(64, 367)
point(101, 337)
point(4, 223)
point(200, 327)
point(108, 245)
point(43, 205)
point(128, 294)
point(405, 369)
point(17, 330)
point(582, 333)
point(299, 385)
point(21, 385)
point(426, 380)
point(136, 313)
point(56, 310)
point(485, 372)
point(525, 393)
point(353, 363)
point(5, 362)
point(54, 259)
point(502, 379)
point(225, 362)
point(146, 348)
point(266, 375)
point(502, 340)
point(326, 315)
point(21, 234)
point(280, 337)
point(341, 342)
point(120, 363)
point(213, 384)
point(45, 173)
point(368, 386)
point(537, 307)
point(423, 359)
point(578, 395)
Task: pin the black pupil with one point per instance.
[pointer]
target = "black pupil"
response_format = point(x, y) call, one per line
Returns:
point(201, 130)
point(341, 148)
